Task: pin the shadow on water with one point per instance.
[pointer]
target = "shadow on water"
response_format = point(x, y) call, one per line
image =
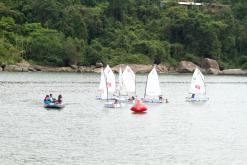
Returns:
point(139, 113)
point(53, 109)
point(197, 104)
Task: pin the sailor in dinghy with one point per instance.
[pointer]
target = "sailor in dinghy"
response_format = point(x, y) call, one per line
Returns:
point(197, 88)
point(127, 85)
point(109, 88)
point(152, 91)
point(104, 82)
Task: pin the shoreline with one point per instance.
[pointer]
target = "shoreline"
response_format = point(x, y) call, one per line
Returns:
point(208, 66)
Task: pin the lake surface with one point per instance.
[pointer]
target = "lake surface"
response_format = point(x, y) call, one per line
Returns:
point(84, 132)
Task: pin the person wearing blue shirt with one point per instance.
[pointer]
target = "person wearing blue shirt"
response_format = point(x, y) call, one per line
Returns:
point(47, 100)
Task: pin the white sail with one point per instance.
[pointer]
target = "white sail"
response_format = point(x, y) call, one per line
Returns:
point(102, 86)
point(197, 83)
point(120, 79)
point(153, 84)
point(110, 79)
point(129, 86)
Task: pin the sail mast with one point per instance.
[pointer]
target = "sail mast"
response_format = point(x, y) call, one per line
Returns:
point(146, 87)
point(134, 80)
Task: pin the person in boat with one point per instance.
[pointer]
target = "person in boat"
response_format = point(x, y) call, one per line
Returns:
point(131, 98)
point(47, 100)
point(51, 99)
point(161, 98)
point(115, 101)
point(59, 99)
point(193, 96)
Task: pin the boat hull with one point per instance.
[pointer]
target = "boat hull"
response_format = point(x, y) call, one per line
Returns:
point(200, 99)
point(149, 100)
point(54, 106)
point(113, 105)
point(110, 98)
point(125, 100)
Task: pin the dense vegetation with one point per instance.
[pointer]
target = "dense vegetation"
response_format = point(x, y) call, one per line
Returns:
point(83, 32)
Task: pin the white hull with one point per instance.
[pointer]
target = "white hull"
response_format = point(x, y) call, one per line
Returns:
point(196, 99)
point(54, 106)
point(99, 98)
point(113, 105)
point(152, 100)
point(124, 99)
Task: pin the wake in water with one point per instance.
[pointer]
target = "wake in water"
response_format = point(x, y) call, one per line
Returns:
point(39, 103)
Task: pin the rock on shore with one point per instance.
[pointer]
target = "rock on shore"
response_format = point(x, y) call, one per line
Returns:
point(12, 68)
point(186, 67)
point(211, 66)
point(234, 72)
point(213, 71)
point(208, 63)
point(139, 68)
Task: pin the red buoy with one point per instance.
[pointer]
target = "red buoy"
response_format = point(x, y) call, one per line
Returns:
point(138, 107)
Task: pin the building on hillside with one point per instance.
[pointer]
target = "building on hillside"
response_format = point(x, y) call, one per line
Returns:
point(190, 3)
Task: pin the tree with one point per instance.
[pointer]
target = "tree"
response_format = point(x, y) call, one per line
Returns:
point(73, 51)
point(118, 9)
point(46, 47)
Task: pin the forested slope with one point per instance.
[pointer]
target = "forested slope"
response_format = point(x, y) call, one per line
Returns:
point(83, 32)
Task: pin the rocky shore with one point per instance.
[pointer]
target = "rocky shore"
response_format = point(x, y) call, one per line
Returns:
point(207, 66)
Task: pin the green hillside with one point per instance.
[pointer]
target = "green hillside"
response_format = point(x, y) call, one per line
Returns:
point(83, 32)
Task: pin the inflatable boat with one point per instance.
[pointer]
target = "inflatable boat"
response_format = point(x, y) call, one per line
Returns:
point(54, 106)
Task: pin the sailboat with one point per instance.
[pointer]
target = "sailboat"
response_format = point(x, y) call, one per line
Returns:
point(152, 91)
point(127, 85)
point(110, 86)
point(197, 88)
point(107, 84)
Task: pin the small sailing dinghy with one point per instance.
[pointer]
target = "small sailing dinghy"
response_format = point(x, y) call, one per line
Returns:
point(152, 91)
point(107, 78)
point(127, 85)
point(54, 106)
point(197, 88)
point(110, 88)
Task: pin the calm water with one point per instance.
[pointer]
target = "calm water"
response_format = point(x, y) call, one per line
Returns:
point(86, 133)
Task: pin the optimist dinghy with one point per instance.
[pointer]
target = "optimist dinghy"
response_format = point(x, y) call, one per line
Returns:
point(126, 85)
point(109, 88)
point(107, 84)
point(197, 88)
point(152, 91)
